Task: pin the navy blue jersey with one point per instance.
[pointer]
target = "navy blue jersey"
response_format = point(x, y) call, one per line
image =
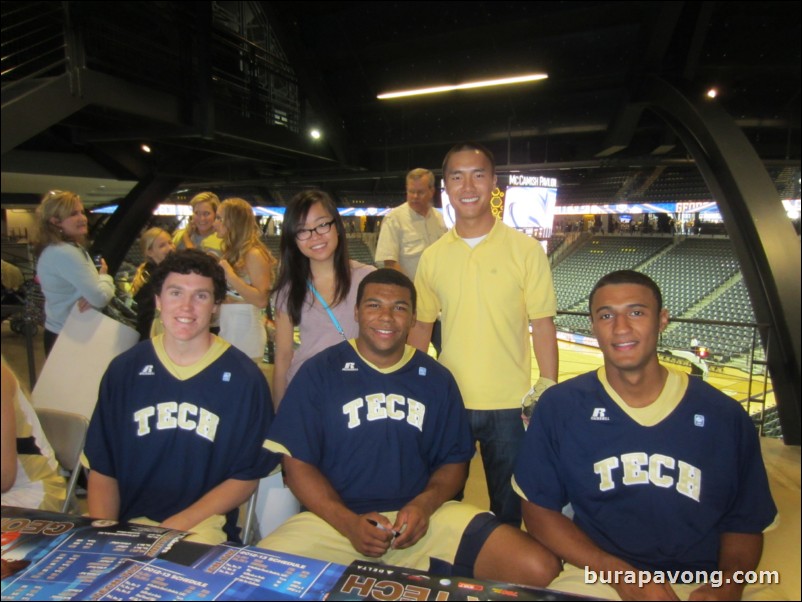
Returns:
point(170, 434)
point(659, 495)
point(377, 436)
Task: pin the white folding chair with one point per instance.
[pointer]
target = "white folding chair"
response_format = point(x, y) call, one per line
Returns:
point(66, 433)
point(250, 529)
point(268, 507)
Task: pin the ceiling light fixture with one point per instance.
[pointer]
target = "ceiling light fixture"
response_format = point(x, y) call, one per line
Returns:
point(518, 79)
point(145, 148)
point(315, 133)
point(712, 93)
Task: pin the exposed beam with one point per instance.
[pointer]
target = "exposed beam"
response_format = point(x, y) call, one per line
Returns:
point(765, 242)
point(654, 42)
point(33, 109)
point(123, 227)
point(310, 80)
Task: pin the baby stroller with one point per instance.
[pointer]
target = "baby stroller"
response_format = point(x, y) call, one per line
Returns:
point(22, 299)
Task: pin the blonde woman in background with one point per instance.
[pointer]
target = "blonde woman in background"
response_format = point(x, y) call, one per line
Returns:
point(248, 265)
point(200, 233)
point(156, 244)
point(30, 476)
point(65, 270)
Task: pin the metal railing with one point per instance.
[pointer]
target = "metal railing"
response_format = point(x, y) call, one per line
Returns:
point(41, 39)
point(33, 43)
point(748, 365)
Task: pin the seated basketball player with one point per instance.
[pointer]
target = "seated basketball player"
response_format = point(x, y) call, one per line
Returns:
point(664, 473)
point(176, 436)
point(376, 446)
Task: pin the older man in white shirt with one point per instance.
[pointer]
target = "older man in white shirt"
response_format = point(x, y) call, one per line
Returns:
point(408, 230)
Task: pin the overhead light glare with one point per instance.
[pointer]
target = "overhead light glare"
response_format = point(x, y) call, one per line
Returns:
point(145, 148)
point(712, 93)
point(315, 134)
point(518, 79)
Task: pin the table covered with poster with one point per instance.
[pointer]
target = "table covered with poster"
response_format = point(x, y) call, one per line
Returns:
point(52, 556)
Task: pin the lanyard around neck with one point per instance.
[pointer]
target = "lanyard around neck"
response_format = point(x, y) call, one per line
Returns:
point(325, 305)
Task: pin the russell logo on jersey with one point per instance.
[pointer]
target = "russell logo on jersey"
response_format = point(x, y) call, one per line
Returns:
point(600, 415)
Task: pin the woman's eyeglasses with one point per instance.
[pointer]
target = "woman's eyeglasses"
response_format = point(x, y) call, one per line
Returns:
point(306, 233)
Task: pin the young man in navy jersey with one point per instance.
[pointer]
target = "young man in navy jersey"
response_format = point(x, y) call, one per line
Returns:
point(664, 473)
point(376, 446)
point(176, 436)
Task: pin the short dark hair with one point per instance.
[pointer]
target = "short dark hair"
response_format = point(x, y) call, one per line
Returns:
point(190, 261)
point(388, 276)
point(626, 277)
point(469, 146)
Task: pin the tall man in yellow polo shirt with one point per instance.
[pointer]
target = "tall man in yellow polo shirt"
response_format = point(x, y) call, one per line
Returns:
point(491, 284)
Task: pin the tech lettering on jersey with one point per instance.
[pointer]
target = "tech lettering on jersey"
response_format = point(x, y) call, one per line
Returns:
point(382, 407)
point(172, 415)
point(640, 468)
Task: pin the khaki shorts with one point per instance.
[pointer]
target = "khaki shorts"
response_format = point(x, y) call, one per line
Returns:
point(306, 534)
point(209, 531)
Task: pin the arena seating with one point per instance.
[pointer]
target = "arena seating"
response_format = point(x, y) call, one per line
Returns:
point(691, 270)
point(699, 278)
point(359, 251)
point(595, 257)
point(554, 243)
point(731, 306)
point(272, 243)
point(676, 184)
point(595, 188)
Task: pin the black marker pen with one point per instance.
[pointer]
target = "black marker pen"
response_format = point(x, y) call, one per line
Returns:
point(382, 527)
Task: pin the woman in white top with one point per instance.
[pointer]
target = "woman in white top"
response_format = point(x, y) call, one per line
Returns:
point(65, 270)
point(249, 274)
point(30, 476)
point(316, 285)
